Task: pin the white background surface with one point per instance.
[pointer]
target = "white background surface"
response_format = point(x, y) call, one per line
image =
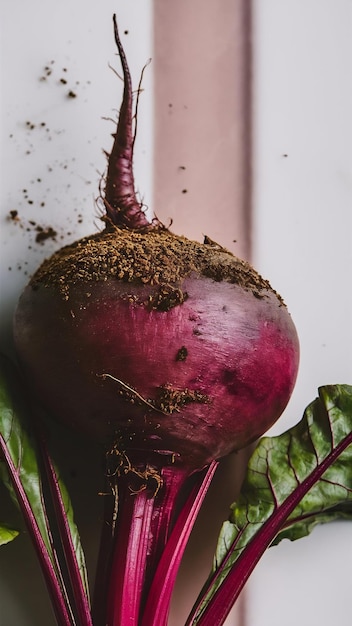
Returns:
point(302, 226)
point(303, 241)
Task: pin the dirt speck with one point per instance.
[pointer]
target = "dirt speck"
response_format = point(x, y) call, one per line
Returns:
point(45, 233)
point(13, 215)
point(182, 354)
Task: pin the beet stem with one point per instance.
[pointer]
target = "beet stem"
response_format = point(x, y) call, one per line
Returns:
point(81, 600)
point(158, 605)
point(142, 530)
point(56, 591)
point(158, 502)
point(103, 568)
point(121, 204)
point(128, 568)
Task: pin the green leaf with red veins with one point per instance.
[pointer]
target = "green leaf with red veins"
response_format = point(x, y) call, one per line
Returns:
point(294, 481)
point(280, 465)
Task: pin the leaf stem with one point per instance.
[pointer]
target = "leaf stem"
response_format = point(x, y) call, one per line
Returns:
point(78, 585)
point(57, 594)
point(158, 603)
point(147, 504)
point(128, 568)
point(103, 567)
point(211, 609)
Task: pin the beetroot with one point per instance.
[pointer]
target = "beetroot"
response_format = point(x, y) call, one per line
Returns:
point(157, 343)
point(148, 341)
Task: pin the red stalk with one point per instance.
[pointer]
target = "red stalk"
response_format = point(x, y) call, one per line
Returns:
point(128, 569)
point(220, 604)
point(165, 513)
point(158, 502)
point(103, 568)
point(56, 592)
point(142, 530)
point(158, 603)
point(151, 534)
point(81, 601)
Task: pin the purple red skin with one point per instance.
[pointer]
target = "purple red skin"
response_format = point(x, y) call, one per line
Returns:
point(242, 353)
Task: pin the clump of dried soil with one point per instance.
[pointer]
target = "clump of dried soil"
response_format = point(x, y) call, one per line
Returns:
point(156, 257)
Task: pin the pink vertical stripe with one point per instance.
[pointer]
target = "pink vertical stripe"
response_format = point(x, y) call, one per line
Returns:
point(202, 182)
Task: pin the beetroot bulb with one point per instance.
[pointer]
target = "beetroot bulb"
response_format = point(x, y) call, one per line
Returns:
point(148, 342)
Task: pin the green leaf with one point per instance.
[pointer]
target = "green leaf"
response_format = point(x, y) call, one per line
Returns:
point(7, 534)
point(281, 465)
point(303, 527)
point(21, 470)
point(293, 482)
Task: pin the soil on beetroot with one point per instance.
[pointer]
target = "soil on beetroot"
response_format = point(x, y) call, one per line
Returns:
point(170, 400)
point(157, 257)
